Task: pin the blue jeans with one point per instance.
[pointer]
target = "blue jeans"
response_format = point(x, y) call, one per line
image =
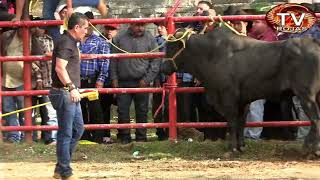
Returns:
point(50, 6)
point(48, 117)
point(71, 128)
point(255, 114)
point(9, 104)
point(301, 115)
point(52, 114)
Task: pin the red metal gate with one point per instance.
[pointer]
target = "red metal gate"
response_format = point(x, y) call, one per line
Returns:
point(171, 88)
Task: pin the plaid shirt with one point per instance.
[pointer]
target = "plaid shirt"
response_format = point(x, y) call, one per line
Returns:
point(97, 67)
point(45, 66)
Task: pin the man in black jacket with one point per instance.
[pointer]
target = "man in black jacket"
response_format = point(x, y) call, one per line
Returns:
point(133, 73)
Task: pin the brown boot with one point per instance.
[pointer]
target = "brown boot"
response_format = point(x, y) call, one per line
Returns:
point(56, 175)
point(72, 177)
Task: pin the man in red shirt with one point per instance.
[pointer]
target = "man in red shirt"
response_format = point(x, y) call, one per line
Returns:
point(262, 31)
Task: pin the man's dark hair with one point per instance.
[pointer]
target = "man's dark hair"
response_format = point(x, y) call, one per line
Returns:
point(89, 14)
point(76, 19)
point(207, 3)
point(234, 10)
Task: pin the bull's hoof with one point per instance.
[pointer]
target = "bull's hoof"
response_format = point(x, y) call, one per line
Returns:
point(307, 146)
point(241, 148)
point(231, 154)
point(312, 151)
point(228, 155)
point(311, 156)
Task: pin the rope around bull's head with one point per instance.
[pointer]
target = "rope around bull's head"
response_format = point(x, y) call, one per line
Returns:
point(171, 38)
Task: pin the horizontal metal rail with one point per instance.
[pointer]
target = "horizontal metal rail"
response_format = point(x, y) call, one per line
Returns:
point(85, 56)
point(136, 20)
point(162, 125)
point(106, 91)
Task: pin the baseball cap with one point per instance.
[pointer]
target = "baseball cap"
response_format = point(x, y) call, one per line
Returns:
point(115, 26)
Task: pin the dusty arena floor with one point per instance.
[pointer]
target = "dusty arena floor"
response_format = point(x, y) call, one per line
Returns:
point(163, 160)
point(170, 169)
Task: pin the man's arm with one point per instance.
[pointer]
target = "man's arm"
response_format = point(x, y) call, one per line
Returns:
point(37, 73)
point(22, 10)
point(61, 71)
point(114, 65)
point(63, 75)
point(69, 8)
point(19, 9)
point(104, 48)
point(154, 64)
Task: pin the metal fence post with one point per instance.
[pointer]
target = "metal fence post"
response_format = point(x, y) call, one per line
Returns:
point(172, 84)
point(27, 82)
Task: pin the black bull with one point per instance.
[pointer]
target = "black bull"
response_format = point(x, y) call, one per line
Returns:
point(236, 70)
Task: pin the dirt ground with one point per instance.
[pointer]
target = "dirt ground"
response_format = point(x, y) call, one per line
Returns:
point(163, 160)
point(169, 169)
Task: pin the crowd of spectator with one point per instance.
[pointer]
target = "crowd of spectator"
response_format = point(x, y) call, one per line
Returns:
point(133, 73)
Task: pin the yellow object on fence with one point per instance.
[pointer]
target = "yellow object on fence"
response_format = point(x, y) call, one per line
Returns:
point(92, 95)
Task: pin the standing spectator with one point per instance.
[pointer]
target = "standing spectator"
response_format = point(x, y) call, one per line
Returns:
point(133, 73)
point(209, 26)
point(107, 100)
point(260, 30)
point(269, 109)
point(202, 10)
point(160, 79)
point(239, 26)
point(61, 14)
point(110, 31)
point(186, 108)
point(64, 94)
point(11, 45)
point(94, 73)
point(47, 112)
point(186, 111)
point(186, 102)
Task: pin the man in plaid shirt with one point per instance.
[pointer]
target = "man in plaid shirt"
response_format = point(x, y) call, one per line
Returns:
point(94, 73)
point(48, 113)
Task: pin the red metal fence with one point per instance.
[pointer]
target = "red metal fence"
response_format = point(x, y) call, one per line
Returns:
point(172, 88)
